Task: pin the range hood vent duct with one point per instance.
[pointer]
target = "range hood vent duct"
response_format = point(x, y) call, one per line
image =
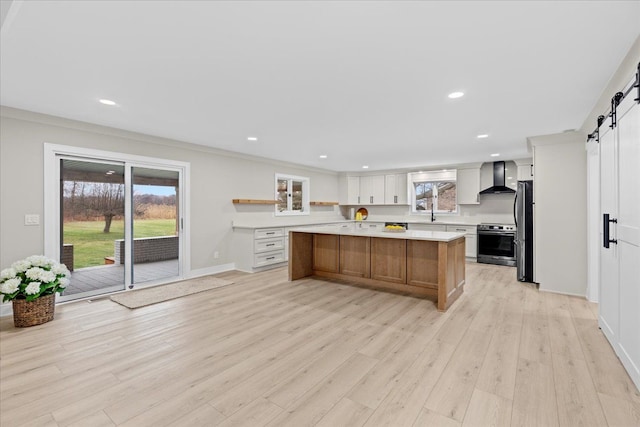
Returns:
point(499, 186)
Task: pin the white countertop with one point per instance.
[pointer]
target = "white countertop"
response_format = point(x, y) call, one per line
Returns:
point(298, 222)
point(288, 222)
point(355, 230)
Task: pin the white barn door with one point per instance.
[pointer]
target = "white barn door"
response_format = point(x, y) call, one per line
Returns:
point(619, 305)
point(628, 130)
point(609, 299)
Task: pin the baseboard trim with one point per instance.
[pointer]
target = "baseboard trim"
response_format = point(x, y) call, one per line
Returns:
point(551, 291)
point(211, 270)
point(6, 309)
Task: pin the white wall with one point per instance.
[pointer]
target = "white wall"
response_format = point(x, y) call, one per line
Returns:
point(593, 221)
point(560, 220)
point(216, 178)
point(619, 79)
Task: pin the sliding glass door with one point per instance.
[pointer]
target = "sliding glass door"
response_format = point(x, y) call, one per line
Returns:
point(120, 224)
point(155, 224)
point(92, 207)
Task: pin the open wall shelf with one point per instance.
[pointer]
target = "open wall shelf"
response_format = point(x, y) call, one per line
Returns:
point(254, 202)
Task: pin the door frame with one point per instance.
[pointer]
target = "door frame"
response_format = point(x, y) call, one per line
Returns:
point(51, 209)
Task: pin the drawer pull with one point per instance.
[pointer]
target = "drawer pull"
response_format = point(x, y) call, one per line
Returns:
point(270, 232)
point(270, 258)
point(460, 229)
point(271, 244)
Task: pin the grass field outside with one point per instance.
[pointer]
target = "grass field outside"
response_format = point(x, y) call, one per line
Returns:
point(91, 245)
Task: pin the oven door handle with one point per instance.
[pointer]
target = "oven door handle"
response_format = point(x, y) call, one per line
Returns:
point(497, 233)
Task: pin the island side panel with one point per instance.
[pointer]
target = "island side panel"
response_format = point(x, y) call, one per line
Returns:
point(300, 255)
point(460, 277)
point(451, 262)
point(326, 253)
point(355, 256)
point(389, 260)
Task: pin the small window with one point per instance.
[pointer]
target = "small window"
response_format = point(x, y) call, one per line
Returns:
point(435, 191)
point(292, 194)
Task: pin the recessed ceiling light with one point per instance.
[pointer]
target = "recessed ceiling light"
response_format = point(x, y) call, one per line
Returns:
point(107, 102)
point(482, 136)
point(252, 138)
point(323, 156)
point(454, 95)
point(365, 167)
point(495, 154)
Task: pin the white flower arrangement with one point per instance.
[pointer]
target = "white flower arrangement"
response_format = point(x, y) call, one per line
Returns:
point(32, 278)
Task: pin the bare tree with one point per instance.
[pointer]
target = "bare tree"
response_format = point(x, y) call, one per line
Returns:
point(108, 200)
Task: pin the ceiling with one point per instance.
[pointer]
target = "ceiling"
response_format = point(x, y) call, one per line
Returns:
point(364, 83)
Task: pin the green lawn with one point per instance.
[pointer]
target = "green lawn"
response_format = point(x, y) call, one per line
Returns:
point(91, 245)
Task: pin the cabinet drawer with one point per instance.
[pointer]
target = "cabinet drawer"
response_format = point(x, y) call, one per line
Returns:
point(266, 245)
point(467, 229)
point(267, 258)
point(263, 233)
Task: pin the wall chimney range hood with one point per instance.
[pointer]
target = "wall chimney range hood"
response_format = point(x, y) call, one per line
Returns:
point(498, 186)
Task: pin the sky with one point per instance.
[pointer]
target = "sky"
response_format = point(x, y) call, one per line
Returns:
point(154, 189)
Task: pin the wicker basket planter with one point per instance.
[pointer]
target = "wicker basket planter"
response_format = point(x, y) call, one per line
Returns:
point(31, 313)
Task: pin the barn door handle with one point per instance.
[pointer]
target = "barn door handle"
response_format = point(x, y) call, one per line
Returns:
point(605, 230)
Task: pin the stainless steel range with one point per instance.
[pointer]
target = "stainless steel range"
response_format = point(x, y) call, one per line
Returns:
point(496, 244)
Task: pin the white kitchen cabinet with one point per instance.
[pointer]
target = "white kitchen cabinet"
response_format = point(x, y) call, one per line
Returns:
point(470, 238)
point(268, 246)
point(525, 171)
point(353, 190)
point(395, 189)
point(372, 190)
point(468, 186)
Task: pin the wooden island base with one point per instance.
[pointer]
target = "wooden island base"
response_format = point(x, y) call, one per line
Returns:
point(413, 264)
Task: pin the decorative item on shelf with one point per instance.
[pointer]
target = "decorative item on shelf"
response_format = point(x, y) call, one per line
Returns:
point(31, 285)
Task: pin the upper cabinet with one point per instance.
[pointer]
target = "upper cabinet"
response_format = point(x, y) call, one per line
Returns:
point(372, 190)
point(395, 189)
point(468, 186)
point(525, 169)
point(353, 190)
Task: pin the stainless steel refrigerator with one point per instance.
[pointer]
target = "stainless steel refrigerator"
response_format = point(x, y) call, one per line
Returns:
point(523, 217)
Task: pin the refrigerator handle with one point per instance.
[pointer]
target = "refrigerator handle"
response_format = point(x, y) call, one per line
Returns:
point(515, 219)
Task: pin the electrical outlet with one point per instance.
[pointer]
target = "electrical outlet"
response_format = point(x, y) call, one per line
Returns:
point(32, 219)
point(216, 255)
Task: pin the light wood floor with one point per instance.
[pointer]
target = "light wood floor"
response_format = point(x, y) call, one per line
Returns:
point(265, 351)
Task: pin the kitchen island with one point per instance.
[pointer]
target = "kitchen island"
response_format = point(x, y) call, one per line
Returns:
point(426, 263)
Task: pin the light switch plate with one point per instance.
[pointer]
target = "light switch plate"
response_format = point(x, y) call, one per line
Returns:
point(32, 219)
